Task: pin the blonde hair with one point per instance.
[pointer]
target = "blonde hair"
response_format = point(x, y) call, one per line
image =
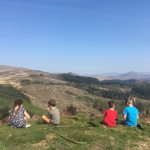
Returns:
point(131, 100)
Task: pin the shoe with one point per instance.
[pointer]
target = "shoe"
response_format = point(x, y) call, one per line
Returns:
point(27, 125)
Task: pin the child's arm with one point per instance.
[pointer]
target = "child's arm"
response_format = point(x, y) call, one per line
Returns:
point(125, 114)
point(48, 109)
point(99, 115)
point(26, 115)
point(47, 120)
point(124, 117)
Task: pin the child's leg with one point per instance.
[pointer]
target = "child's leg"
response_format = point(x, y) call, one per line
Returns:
point(122, 122)
point(27, 125)
point(25, 118)
point(47, 120)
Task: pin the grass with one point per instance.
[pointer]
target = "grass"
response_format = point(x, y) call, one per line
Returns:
point(33, 110)
point(40, 136)
point(79, 128)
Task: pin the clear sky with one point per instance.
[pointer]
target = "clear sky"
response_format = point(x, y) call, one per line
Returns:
point(80, 36)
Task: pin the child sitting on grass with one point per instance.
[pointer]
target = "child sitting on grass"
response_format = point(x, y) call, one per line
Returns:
point(130, 114)
point(53, 114)
point(110, 115)
point(18, 115)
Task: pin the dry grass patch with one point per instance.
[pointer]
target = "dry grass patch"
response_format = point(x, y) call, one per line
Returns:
point(44, 144)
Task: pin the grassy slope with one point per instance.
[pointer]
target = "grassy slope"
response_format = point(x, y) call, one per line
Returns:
point(38, 137)
point(40, 94)
point(9, 94)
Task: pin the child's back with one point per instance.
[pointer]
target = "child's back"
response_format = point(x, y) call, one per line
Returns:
point(18, 115)
point(110, 115)
point(131, 113)
point(54, 115)
point(110, 118)
point(17, 118)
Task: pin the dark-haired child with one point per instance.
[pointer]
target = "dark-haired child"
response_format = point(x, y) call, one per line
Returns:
point(18, 115)
point(110, 115)
point(53, 114)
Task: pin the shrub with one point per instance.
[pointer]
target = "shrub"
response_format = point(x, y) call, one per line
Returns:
point(4, 112)
point(72, 109)
point(25, 82)
point(69, 92)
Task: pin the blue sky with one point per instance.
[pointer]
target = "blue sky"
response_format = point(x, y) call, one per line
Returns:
point(80, 36)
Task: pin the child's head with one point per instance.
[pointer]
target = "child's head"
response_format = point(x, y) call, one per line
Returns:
point(130, 102)
point(111, 104)
point(52, 103)
point(18, 102)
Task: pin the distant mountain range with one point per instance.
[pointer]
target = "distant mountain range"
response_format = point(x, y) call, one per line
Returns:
point(124, 76)
point(4, 68)
point(105, 76)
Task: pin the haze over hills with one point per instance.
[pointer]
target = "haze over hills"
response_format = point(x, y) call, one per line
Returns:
point(5, 68)
point(124, 76)
point(104, 76)
point(134, 75)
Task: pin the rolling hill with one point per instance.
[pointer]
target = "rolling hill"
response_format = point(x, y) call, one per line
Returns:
point(41, 86)
point(37, 87)
point(87, 94)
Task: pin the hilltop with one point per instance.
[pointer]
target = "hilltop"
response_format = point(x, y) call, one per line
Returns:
point(41, 86)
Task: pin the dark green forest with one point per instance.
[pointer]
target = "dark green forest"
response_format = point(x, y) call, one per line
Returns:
point(118, 90)
point(109, 88)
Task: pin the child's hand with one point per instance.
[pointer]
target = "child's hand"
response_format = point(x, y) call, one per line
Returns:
point(48, 109)
point(16, 108)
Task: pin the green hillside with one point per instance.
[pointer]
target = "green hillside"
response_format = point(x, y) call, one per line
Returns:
point(79, 128)
point(8, 95)
point(119, 90)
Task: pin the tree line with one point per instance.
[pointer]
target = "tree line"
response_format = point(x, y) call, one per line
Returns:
point(98, 88)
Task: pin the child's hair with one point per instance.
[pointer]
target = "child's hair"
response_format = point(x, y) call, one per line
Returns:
point(111, 104)
point(131, 100)
point(18, 102)
point(52, 103)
